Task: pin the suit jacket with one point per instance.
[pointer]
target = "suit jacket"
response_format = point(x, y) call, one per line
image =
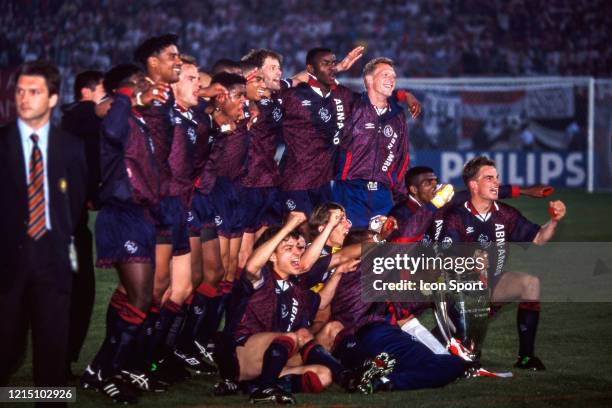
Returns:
point(66, 173)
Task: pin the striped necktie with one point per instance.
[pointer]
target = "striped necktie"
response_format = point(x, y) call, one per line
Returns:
point(37, 225)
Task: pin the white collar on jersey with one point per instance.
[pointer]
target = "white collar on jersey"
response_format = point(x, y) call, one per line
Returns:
point(415, 200)
point(187, 114)
point(318, 91)
point(381, 111)
point(482, 217)
point(283, 285)
point(312, 81)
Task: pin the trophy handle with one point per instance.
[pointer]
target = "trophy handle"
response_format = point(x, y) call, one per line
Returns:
point(445, 323)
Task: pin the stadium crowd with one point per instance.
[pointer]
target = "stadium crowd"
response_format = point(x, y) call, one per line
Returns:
point(426, 38)
point(204, 225)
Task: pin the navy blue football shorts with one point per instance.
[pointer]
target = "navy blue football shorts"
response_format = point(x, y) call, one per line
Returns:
point(172, 226)
point(228, 208)
point(261, 207)
point(363, 200)
point(124, 234)
point(305, 200)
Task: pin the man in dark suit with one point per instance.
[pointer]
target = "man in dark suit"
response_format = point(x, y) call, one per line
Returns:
point(80, 119)
point(42, 193)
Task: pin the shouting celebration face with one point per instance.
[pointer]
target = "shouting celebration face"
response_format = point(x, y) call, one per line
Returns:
point(286, 257)
point(272, 73)
point(340, 231)
point(233, 103)
point(486, 185)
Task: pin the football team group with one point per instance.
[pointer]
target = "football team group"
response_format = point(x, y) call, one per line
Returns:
point(241, 259)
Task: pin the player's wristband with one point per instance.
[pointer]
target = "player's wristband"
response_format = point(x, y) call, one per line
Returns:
point(547, 191)
point(401, 96)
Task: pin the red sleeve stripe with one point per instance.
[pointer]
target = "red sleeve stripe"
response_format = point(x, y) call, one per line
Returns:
point(347, 164)
point(390, 174)
point(404, 166)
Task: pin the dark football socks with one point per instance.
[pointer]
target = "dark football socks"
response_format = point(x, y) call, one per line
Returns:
point(117, 302)
point(167, 314)
point(225, 357)
point(527, 318)
point(314, 353)
point(126, 329)
point(307, 382)
point(274, 360)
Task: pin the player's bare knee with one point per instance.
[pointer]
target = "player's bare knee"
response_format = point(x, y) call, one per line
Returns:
point(294, 338)
point(161, 283)
point(324, 374)
point(531, 287)
point(141, 300)
point(196, 277)
point(333, 328)
point(303, 336)
point(180, 294)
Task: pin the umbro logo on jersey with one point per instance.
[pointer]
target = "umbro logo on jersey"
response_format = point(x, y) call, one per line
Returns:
point(469, 230)
point(306, 103)
point(370, 126)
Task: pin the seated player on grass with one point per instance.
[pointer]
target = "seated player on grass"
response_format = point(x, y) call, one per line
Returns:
point(271, 312)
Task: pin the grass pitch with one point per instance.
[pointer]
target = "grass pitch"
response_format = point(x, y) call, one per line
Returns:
point(573, 341)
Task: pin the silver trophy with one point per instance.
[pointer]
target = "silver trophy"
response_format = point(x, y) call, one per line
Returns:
point(463, 315)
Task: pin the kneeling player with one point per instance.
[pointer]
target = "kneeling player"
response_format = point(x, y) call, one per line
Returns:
point(485, 220)
point(422, 186)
